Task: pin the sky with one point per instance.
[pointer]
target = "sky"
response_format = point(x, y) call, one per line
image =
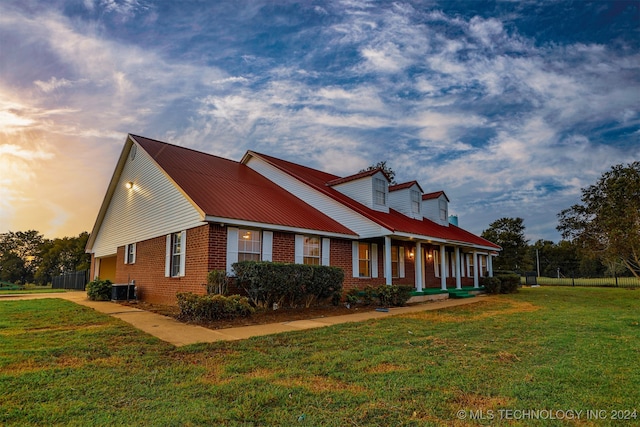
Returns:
point(510, 107)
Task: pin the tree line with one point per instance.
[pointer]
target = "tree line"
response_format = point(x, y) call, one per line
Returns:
point(28, 257)
point(601, 234)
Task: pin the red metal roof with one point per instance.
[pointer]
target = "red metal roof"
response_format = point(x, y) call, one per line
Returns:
point(357, 176)
point(434, 195)
point(394, 220)
point(228, 189)
point(404, 185)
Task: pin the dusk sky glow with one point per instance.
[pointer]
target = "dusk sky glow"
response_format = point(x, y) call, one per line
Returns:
point(510, 107)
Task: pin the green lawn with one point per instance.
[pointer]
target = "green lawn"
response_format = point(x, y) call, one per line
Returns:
point(31, 291)
point(543, 349)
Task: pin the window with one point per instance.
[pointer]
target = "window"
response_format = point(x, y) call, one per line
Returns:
point(395, 261)
point(436, 262)
point(364, 260)
point(415, 201)
point(470, 272)
point(249, 245)
point(175, 254)
point(379, 192)
point(443, 210)
point(482, 264)
point(130, 254)
point(311, 250)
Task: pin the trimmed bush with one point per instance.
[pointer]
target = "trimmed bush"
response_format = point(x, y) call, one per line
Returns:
point(509, 283)
point(394, 295)
point(269, 282)
point(212, 307)
point(99, 290)
point(491, 284)
point(325, 283)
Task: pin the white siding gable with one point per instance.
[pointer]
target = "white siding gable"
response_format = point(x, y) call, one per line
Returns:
point(153, 207)
point(363, 190)
point(364, 227)
point(400, 200)
point(431, 210)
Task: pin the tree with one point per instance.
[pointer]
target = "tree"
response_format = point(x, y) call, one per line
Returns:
point(607, 222)
point(62, 256)
point(509, 234)
point(386, 169)
point(26, 246)
point(12, 268)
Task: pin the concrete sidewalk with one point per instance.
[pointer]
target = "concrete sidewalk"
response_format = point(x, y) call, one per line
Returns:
point(179, 334)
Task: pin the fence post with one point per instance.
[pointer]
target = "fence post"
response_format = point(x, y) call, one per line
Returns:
point(573, 280)
point(615, 274)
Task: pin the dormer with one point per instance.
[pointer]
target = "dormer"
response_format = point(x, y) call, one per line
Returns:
point(435, 206)
point(406, 198)
point(371, 188)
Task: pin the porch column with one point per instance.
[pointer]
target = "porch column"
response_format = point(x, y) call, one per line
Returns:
point(418, 266)
point(387, 260)
point(458, 280)
point(443, 271)
point(490, 264)
point(476, 282)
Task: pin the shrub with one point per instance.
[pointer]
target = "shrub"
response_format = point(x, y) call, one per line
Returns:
point(351, 297)
point(212, 307)
point(268, 282)
point(509, 283)
point(491, 284)
point(217, 282)
point(99, 290)
point(394, 295)
point(325, 282)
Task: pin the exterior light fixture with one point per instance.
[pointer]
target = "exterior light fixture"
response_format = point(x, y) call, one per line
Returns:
point(411, 254)
point(429, 256)
point(129, 185)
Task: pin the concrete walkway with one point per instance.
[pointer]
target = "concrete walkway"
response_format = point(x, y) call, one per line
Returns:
point(179, 334)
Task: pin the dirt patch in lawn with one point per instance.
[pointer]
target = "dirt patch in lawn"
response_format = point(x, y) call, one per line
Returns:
point(260, 317)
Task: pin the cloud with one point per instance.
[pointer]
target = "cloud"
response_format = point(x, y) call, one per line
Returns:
point(504, 122)
point(52, 84)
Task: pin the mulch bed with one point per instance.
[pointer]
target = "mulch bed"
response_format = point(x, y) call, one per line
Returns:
point(260, 317)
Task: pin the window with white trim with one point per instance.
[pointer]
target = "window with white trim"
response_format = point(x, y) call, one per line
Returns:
point(415, 201)
point(379, 192)
point(311, 250)
point(176, 254)
point(395, 262)
point(470, 265)
point(436, 262)
point(130, 254)
point(443, 209)
point(482, 264)
point(364, 259)
point(175, 260)
point(249, 245)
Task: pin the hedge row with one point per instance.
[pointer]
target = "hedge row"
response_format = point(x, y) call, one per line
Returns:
point(212, 307)
point(383, 295)
point(267, 283)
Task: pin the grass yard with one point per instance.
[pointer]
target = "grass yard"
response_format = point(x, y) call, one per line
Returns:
point(543, 349)
point(31, 291)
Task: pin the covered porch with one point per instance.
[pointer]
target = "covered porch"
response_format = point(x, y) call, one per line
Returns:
point(442, 266)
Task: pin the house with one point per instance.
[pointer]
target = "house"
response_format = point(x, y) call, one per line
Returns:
point(172, 214)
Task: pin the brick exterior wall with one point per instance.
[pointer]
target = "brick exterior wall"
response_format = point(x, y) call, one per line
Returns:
point(206, 250)
point(148, 270)
point(284, 247)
